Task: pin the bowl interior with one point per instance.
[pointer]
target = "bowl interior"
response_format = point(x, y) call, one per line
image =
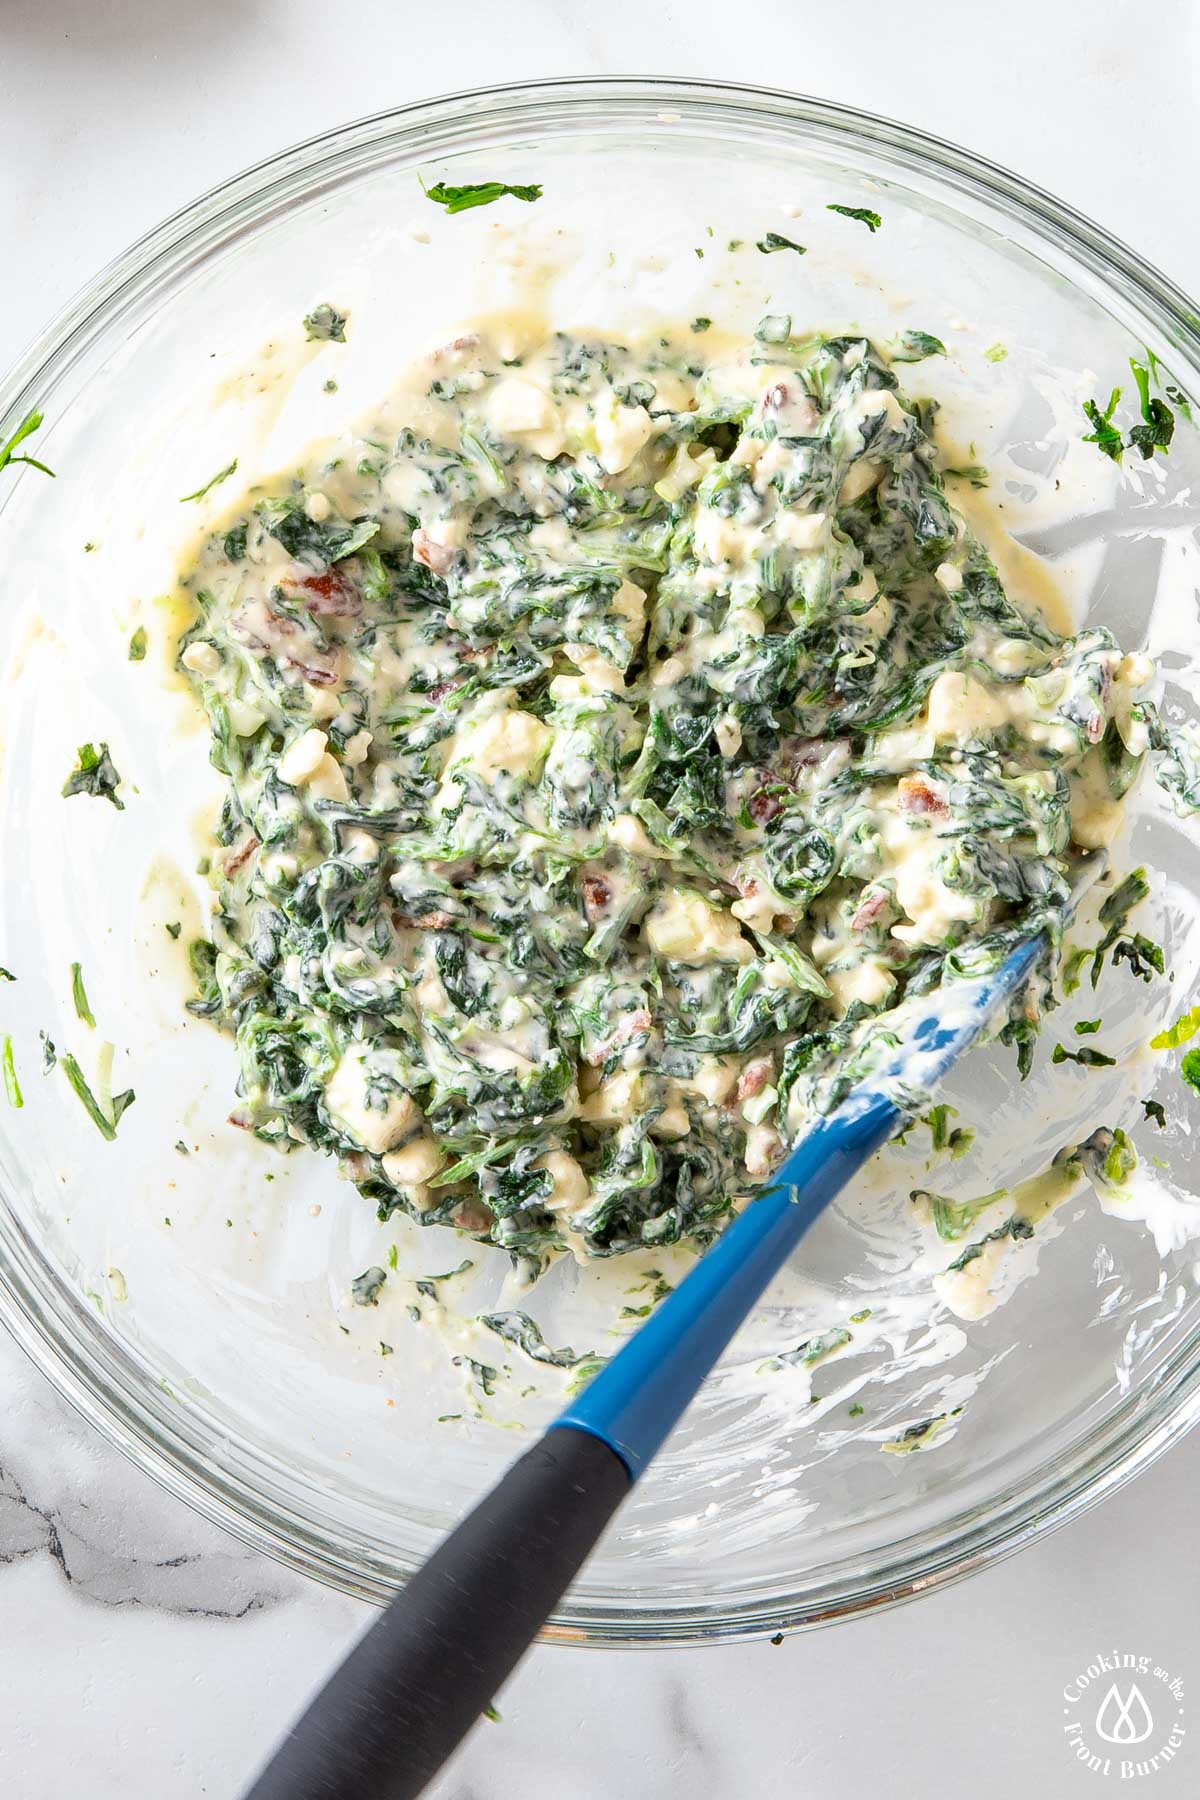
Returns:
point(192, 1288)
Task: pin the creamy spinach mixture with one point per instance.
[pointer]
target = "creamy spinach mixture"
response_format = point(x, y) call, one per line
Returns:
point(615, 736)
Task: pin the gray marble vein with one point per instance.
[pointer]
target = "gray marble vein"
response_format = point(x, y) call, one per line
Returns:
point(108, 1528)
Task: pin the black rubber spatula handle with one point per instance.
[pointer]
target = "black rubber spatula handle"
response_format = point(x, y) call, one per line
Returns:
point(406, 1695)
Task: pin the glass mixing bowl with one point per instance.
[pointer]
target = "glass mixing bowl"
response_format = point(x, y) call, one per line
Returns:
point(189, 1294)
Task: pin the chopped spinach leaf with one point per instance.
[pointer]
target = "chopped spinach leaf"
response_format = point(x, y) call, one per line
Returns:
point(428, 1284)
point(1087, 1059)
point(483, 1373)
point(952, 1218)
point(1158, 421)
point(1145, 958)
point(366, 1288)
point(105, 1123)
point(1181, 1032)
point(919, 1436)
point(1104, 434)
point(94, 775)
point(975, 473)
point(12, 1086)
point(915, 346)
point(214, 481)
point(79, 996)
point(772, 241)
point(863, 214)
point(478, 193)
point(29, 424)
point(325, 324)
point(519, 1329)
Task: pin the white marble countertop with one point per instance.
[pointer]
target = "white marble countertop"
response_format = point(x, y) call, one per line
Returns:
point(143, 1652)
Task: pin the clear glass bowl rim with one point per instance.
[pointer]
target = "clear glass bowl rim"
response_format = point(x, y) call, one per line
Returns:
point(56, 1327)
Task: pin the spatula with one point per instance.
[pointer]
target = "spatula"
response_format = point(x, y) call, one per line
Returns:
point(416, 1682)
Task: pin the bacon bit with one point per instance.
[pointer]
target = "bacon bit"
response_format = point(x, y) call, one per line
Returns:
point(279, 622)
point(1095, 728)
point(596, 895)
point(633, 1024)
point(871, 909)
point(754, 1077)
point(775, 397)
point(427, 550)
point(242, 634)
point(313, 673)
point(798, 754)
point(472, 1215)
point(762, 806)
point(439, 691)
point(430, 921)
point(242, 1120)
point(804, 753)
point(917, 794)
point(242, 855)
point(331, 595)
